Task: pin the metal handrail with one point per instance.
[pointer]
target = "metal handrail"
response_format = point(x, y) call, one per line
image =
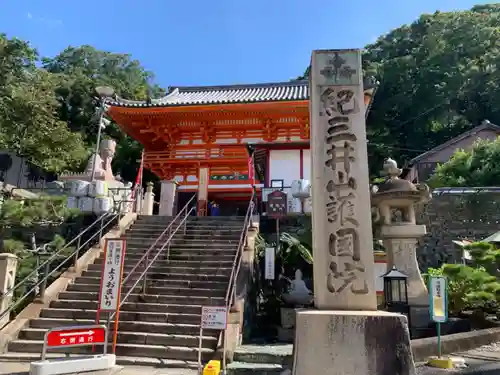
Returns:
point(150, 263)
point(145, 256)
point(44, 266)
point(231, 289)
point(42, 282)
point(237, 259)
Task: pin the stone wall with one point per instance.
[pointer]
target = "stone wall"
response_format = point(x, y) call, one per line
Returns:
point(452, 215)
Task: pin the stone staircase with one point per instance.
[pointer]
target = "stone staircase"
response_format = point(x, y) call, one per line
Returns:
point(164, 323)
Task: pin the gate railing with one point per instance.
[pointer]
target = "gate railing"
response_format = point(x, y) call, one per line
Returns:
point(69, 254)
point(231, 289)
point(148, 260)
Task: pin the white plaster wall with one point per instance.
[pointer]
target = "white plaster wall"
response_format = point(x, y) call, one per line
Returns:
point(380, 270)
point(306, 155)
point(284, 165)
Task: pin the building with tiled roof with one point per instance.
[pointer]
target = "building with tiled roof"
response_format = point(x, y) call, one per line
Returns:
point(210, 128)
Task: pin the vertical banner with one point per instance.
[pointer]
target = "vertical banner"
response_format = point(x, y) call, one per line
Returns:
point(251, 170)
point(111, 281)
point(269, 263)
point(202, 191)
point(438, 299)
point(111, 277)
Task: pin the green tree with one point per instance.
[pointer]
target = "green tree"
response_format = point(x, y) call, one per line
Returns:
point(438, 77)
point(469, 288)
point(85, 68)
point(45, 211)
point(29, 125)
point(479, 166)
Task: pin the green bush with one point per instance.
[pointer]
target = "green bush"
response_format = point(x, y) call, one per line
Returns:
point(469, 288)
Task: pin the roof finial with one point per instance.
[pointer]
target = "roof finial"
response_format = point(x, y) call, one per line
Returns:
point(391, 169)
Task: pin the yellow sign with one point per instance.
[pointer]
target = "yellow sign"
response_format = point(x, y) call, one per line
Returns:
point(438, 307)
point(438, 299)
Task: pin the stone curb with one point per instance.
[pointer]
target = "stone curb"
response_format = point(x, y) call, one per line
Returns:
point(458, 342)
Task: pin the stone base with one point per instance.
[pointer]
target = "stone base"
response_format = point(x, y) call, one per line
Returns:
point(352, 343)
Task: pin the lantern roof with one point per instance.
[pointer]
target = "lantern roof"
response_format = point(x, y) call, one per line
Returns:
point(394, 274)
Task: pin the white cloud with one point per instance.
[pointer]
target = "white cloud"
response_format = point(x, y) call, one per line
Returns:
point(47, 22)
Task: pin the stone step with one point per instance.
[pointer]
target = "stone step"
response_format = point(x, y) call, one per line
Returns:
point(143, 338)
point(148, 298)
point(137, 350)
point(201, 219)
point(144, 243)
point(141, 316)
point(128, 306)
point(180, 275)
point(138, 252)
point(138, 249)
point(192, 233)
point(160, 228)
point(207, 261)
point(164, 290)
point(155, 280)
point(281, 354)
point(243, 368)
point(168, 267)
point(125, 326)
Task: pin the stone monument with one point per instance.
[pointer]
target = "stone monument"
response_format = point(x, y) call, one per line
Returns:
point(395, 200)
point(8, 268)
point(103, 169)
point(346, 335)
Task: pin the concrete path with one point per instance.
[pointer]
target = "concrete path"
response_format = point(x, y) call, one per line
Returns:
point(20, 368)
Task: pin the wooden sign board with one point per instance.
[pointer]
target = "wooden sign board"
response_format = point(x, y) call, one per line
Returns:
point(277, 204)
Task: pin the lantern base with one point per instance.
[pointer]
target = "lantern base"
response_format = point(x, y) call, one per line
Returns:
point(352, 342)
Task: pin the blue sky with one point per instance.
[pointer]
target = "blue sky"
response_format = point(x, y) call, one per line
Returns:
point(202, 42)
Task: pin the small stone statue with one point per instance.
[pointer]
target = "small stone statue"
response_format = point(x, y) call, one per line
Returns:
point(391, 169)
point(298, 293)
point(103, 169)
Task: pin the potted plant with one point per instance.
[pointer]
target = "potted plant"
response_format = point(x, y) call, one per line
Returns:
point(289, 290)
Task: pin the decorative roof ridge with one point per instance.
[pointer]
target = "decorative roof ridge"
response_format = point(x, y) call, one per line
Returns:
point(119, 99)
point(304, 82)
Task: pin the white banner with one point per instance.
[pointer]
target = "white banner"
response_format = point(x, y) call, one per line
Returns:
point(269, 263)
point(114, 254)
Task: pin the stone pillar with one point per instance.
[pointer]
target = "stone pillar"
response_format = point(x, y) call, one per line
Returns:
point(167, 198)
point(346, 335)
point(8, 267)
point(341, 216)
point(401, 242)
point(149, 200)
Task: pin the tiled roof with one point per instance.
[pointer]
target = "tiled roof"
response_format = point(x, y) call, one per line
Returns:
point(486, 124)
point(254, 93)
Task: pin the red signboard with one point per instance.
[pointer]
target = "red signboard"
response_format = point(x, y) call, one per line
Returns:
point(61, 337)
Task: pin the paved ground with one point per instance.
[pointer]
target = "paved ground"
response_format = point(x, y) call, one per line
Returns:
point(481, 361)
point(19, 368)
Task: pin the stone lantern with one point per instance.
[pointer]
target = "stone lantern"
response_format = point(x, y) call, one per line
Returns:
point(395, 201)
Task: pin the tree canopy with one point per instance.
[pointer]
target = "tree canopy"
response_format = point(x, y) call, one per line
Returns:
point(438, 77)
point(477, 167)
point(48, 113)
